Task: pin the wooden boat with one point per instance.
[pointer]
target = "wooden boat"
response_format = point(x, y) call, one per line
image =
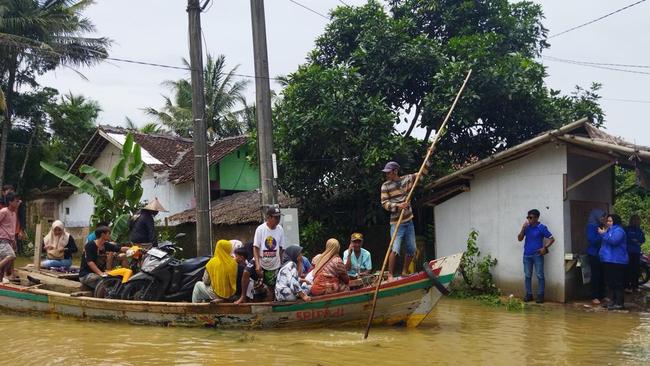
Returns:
point(406, 301)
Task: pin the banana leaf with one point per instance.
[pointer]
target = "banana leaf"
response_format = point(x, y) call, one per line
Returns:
point(120, 227)
point(95, 173)
point(80, 184)
point(136, 158)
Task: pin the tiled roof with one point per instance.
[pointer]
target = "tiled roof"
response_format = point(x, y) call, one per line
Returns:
point(184, 170)
point(161, 152)
point(167, 149)
point(235, 209)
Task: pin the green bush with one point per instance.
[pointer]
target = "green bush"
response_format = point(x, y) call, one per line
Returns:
point(476, 278)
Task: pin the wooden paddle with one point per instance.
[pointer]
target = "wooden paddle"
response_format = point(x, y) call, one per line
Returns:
point(430, 151)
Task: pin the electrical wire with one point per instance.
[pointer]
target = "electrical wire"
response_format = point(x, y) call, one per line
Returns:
point(627, 100)
point(595, 20)
point(144, 63)
point(595, 66)
point(598, 63)
point(344, 3)
point(312, 10)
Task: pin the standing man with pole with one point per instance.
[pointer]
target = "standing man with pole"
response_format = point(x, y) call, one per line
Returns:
point(201, 190)
point(263, 102)
point(394, 193)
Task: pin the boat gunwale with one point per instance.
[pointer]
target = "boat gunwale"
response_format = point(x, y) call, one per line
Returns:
point(388, 289)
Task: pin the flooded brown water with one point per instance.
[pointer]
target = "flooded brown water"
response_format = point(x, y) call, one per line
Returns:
point(458, 332)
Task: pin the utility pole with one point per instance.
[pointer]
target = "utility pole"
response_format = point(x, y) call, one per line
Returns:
point(263, 109)
point(201, 191)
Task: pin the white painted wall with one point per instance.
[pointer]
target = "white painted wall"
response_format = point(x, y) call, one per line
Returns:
point(496, 206)
point(75, 211)
point(175, 198)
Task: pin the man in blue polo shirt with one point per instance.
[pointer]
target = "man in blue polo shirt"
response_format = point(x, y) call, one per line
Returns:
point(357, 260)
point(534, 250)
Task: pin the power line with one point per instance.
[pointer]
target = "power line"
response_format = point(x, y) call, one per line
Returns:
point(312, 10)
point(144, 63)
point(344, 3)
point(598, 63)
point(578, 63)
point(627, 100)
point(595, 20)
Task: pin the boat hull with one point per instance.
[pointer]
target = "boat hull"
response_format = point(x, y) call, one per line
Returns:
point(406, 301)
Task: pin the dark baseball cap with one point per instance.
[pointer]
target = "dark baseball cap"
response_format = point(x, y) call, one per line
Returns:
point(273, 211)
point(390, 166)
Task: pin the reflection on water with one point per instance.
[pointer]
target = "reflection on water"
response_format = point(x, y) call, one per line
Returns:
point(458, 332)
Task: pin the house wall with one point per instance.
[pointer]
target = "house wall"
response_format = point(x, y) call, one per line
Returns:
point(496, 207)
point(236, 173)
point(174, 197)
point(75, 211)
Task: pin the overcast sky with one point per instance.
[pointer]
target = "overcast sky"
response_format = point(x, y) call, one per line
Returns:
point(156, 31)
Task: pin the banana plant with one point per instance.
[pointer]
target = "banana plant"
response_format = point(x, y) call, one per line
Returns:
point(117, 195)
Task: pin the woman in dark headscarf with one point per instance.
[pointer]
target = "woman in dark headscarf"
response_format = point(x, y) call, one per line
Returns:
point(287, 285)
point(596, 220)
point(635, 237)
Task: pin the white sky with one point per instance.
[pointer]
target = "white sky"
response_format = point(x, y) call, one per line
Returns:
point(156, 31)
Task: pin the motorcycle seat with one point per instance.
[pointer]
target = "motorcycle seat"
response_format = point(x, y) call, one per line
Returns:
point(191, 264)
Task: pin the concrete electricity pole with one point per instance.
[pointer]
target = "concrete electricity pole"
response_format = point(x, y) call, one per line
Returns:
point(263, 102)
point(201, 179)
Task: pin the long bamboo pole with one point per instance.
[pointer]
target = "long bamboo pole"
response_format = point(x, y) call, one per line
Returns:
point(430, 151)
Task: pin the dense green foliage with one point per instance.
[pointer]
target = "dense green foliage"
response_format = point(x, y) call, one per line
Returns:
point(632, 199)
point(117, 196)
point(37, 36)
point(383, 68)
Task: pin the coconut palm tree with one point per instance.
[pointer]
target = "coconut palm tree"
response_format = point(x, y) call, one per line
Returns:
point(148, 128)
point(37, 36)
point(224, 102)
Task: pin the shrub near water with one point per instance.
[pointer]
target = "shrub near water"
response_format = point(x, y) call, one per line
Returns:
point(476, 281)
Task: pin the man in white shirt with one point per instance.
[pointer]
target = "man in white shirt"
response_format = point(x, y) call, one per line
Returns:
point(268, 247)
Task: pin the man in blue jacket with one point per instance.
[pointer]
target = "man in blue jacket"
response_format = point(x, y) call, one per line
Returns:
point(534, 250)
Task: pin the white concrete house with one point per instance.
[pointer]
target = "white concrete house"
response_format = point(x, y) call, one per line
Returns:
point(168, 174)
point(563, 173)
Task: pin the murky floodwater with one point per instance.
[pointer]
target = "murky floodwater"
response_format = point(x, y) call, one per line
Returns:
point(459, 332)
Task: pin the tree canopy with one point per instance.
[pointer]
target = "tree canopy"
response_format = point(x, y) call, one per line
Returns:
point(380, 70)
point(37, 36)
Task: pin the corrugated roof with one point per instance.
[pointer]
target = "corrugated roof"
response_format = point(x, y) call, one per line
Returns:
point(579, 134)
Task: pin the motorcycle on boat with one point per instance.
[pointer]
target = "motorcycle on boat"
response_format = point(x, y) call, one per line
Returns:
point(163, 277)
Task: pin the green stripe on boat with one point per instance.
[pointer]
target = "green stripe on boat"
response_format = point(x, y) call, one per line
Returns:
point(360, 298)
point(23, 295)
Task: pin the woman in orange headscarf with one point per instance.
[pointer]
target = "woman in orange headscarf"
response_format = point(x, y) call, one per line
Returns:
point(220, 277)
point(330, 275)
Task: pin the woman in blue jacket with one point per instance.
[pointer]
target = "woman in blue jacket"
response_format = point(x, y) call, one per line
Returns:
point(613, 255)
point(635, 238)
point(596, 220)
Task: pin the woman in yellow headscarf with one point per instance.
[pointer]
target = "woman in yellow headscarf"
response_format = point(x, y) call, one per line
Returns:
point(220, 277)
